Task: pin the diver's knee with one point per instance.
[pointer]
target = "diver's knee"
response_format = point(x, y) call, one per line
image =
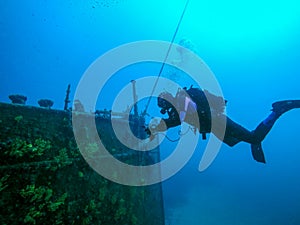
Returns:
point(231, 141)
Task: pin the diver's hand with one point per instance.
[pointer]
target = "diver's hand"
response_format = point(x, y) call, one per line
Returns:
point(149, 133)
point(153, 125)
point(152, 128)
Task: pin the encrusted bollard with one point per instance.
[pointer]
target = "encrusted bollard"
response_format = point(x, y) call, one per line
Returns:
point(18, 99)
point(45, 103)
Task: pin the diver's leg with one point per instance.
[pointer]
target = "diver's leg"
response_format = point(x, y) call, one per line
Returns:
point(234, 133)
point(278, 109)
point(258, 135)
point(253, 137)
point(264, 128)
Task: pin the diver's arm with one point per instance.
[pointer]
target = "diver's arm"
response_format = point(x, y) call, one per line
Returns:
point(176, 119)
point(162, 126)
point(172, 121)
point(168, 123)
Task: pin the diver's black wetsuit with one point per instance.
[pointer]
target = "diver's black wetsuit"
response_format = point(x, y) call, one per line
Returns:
point(234, 133)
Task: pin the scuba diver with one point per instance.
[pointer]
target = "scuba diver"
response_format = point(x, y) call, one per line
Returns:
point(195, 103)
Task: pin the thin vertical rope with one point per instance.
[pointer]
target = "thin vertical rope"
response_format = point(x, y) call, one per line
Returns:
point(167, 55)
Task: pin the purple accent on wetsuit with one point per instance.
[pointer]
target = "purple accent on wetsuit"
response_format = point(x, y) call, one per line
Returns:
point(188, 102)
point(189, 106)
point(182, 116)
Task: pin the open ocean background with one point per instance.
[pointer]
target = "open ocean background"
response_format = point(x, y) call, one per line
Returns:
point(252, 47)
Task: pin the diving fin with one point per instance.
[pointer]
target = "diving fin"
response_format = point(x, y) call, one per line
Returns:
point(257, 153)
point(281, 107)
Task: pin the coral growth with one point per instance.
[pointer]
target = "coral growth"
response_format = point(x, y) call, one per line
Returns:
point(42, 202)
point(19, 148)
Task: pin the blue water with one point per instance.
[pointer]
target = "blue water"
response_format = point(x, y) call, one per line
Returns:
point(253, 48)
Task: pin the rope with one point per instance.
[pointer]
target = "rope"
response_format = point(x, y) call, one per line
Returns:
point(168, 52)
